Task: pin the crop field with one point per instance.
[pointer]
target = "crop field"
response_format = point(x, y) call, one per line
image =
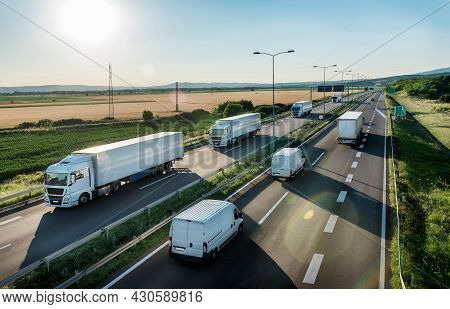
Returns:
point(129, 106)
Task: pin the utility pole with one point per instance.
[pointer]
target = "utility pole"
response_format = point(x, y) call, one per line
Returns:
point(176, 97)
point(110, 94)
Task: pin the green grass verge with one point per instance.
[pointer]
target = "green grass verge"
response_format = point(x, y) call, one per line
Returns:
point(424, 204)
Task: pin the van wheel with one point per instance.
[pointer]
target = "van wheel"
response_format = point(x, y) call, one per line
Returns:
point(84, 199)
point(240, 229)
point(213, 255)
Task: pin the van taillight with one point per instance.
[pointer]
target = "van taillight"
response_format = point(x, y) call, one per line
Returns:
point(170, 242)
point(205, 247)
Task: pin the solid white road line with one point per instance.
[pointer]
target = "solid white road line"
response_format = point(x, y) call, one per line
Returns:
point(358, 154)
point(355, 164)
point(361, 146)
point(203, 149)
point(383, 213)
point(273, 208)
point(341, 197)
point(150, 184)
point(349, 178)
point(4, 247)
point(318, 158)
point(247, 184)
point(10, 220)
point(313, 269)
point(232, 149)
point(329, 228)
point(129, 270)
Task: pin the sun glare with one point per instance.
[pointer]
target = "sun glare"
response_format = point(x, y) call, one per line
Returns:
point(88, 20)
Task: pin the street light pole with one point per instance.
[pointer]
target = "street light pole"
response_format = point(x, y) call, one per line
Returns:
point(273, 87)
point(324, 70)
point(343, 88)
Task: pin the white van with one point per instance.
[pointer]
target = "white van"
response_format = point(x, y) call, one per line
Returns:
point(202, 230)
point(287, 162)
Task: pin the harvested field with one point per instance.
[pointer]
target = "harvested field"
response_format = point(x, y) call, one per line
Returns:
point(131, 106)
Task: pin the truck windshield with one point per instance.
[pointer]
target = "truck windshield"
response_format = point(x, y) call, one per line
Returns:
point(56, 179)
point(217, 132)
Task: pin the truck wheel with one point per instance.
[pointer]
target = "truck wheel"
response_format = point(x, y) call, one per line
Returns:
point(241, 229)
point(115, 186)
point(84, 199)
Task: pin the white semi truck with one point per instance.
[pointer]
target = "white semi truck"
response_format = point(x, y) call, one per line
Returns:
point(93, 172)
point(299, 109)
point(350, 127)
point(227, 131)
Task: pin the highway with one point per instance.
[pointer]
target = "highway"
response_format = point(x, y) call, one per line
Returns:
point(30, 234)
point(324, 229)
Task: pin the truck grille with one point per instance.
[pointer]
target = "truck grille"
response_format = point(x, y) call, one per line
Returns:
point(55, 191)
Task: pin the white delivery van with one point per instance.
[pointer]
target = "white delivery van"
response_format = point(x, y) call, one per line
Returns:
point(350, 127)
point(287, 162)
point(337, 98)
point(199, 232)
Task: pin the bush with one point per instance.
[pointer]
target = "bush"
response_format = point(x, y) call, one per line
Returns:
point(44, 123)
point(425, 88)
point(246, 105)
point(68, 122)
point(26, 125)
point(233, 109)
point(266, 110)
point(445, 98)
point(147, 115)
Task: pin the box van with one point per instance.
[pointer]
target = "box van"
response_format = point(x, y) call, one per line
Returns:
point(287, 162)
point(201, 231)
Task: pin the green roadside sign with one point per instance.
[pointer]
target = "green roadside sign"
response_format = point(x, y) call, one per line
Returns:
point(399, 111)
point(391, 90)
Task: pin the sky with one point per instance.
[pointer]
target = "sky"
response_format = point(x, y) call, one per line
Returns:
point(159, 42)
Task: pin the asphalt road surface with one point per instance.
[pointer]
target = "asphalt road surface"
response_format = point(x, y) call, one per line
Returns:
point(323, 229)
point(33, 233)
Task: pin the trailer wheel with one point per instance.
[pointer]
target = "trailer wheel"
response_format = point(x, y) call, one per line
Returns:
point(84, 199)
point(115, 186)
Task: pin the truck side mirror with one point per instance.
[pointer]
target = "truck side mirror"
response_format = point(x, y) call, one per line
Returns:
point(72, 179)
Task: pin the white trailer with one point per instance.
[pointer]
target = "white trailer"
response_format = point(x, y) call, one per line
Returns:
point(96, 171)
point(299, 109)
point(287, 162)
point(199, 232)
point(350, 127)
point(229, 130)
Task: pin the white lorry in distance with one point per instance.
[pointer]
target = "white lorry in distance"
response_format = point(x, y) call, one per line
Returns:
point(299, 109)
point(201, 231)
point(287, 162)
point(229, 130)
point(337, 98)
point(93, 172)
point(350, 127)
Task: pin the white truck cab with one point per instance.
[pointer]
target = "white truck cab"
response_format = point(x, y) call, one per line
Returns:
point(66, 181)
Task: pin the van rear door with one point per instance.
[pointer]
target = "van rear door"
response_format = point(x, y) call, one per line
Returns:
point(195, 239)
point(180, 236)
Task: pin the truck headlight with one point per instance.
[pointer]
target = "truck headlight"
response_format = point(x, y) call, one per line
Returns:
point(66, 198)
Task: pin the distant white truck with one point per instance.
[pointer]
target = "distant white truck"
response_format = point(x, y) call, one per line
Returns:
point(229, 130)
point(201, 231)
point(301, 108)
point(93, 172)
point(287, 162)
point(350, 127)
point(337, 98)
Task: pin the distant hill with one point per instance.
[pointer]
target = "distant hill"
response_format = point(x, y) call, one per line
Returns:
point(205, 86)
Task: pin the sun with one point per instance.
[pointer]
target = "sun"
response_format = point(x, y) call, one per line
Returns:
point(88, 20)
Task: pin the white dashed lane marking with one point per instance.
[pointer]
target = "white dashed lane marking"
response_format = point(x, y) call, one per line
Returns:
point(341, 197)
point(358, 154)
point(329, 228)
point(349, 178)
point(354, 164)
point(313, 269)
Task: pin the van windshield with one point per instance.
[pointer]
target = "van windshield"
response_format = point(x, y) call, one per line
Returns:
point(56, 179)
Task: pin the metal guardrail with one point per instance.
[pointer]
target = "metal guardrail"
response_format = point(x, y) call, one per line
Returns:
point(46, 261)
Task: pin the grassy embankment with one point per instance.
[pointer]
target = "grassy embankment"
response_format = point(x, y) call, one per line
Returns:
point(92, 251)
point(423, 168)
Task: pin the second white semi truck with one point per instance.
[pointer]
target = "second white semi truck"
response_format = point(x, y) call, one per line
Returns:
point(299, 109)
point(350, 127)
point(93, 172)
point(227, 131)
